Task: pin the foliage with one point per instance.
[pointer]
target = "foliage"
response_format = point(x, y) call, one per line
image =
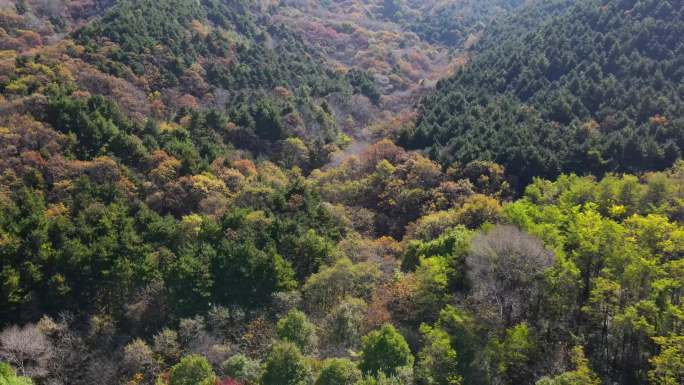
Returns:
point(364, 84)
point(325, 289)
point(9, 377)
point(454, 243)
point(581, 93)
point(452, 23)
point(384, 351)
point(668, 366)
point(345, 322)
point(242, 368)
point(296, 328)
point(286, 366)
point(581, 375)
point(338, 371)
point(192, 370)
point(406, 187)
point(195, 47)
point(599, 230)
point(438, 361)
point(174, 187)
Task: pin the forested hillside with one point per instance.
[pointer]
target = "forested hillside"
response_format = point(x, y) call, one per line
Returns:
point(596, 89)
point(448, 22)
point(227, 192)
point(404, 46)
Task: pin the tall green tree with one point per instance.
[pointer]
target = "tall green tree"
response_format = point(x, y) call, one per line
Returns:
point(437, 362)
point(338, 371)
point(384, 351)
point(192, 370)
point(295, 327)
point(668, 365)
point(286, 366)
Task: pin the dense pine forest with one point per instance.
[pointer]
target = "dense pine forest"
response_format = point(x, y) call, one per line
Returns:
point(595, 89)
point(327, 192)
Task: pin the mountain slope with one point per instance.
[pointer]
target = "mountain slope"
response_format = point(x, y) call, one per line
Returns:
point(402, 48)
point(451, 22)
point(170, 214)
point(596, 89)
point(162, 61)
point(222, 53)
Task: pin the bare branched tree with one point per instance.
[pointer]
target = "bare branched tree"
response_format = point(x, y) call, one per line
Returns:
point(27, 349)
point(506, 267)
point(101, 370)
point(149, 310)
point(70, 353)
point(138, 357)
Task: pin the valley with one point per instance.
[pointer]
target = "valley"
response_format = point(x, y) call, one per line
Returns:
point(341, 192)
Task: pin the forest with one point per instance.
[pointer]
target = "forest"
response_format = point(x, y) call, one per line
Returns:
point(377, 192)
point(587, 91)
